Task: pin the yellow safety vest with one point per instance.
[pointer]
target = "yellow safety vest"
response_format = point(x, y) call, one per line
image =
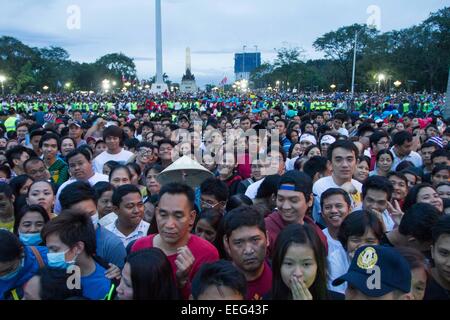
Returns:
point(10, 124)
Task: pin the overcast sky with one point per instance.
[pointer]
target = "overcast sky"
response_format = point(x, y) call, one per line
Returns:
point(213, 29)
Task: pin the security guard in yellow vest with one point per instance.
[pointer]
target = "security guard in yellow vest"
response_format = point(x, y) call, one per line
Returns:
point(10, 123)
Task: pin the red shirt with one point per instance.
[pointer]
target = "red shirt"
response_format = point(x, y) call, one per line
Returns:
point(202, 250)
point(274, 225)
point(261, 286)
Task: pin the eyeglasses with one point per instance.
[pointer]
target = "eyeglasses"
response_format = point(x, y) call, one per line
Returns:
point(145, 151)
point(208, 205)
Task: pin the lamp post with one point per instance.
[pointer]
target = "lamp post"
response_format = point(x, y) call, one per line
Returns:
point(380, 78)
point(354, 62)
point(45, 88)
point(333, 86)
point(2, 80)
point(397, 84)
point(106, 85)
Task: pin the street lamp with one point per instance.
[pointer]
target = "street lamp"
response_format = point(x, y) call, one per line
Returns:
point(45, 88)
point(106, 85)
point(2, 80)
point(333, 86)
point(397, 84)
point(68, 85)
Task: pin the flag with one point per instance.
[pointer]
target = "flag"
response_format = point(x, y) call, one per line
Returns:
point(224, 81)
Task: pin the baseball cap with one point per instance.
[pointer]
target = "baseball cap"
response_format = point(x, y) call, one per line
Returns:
point(328, 139)
point(308, 137)
point(394, 270)
point(300, 181)
point(76, 123)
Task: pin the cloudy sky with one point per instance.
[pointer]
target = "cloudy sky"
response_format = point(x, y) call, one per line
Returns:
point(213, 29)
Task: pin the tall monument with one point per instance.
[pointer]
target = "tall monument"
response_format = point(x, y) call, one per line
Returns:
point(159, 86)
point(188, 84)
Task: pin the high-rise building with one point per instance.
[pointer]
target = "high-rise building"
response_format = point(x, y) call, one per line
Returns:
point(245, 63)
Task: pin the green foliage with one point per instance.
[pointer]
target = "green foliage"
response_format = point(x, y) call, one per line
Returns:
point(30, 69)
point(418, 56)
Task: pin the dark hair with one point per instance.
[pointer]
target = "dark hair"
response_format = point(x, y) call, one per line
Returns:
point(344, 144)
point(438, 168)
point(385, 151)
point(415, 259)
point(177, 188)
point(418, 221)
point(32, 160)
point(101, 187)
point(411, 197)
point(52, 186)
point(165, 141)
point(157, 167)
point(76, 192)
point(332, 192)
point(6, 190)
point(29, 208)
point(243, 217)
point(215, 187)
point(53, 283)
point(122, 191)
point(120, 167)
point(238, 200)
point(314, 146)
point(377, 136)
point(440, 153)
point(78, 151)
point(114, 131)
point(401, 137)
point(221, 273)
point(365, 159)
point(403, 165)
point(151, 275)
point(316, 164)
point(356, 224)
point(72, 227)
point(398, 175)
point(378, 183)
point(18, 182)
point(10, 246)
point(441, 227)
point(305, 235)
point(291, 148)
point(49, 136)
point(131, 143)
point(268, 187)
point(15, 153)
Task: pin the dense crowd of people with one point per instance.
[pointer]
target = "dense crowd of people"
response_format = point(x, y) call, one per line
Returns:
point(305, 196)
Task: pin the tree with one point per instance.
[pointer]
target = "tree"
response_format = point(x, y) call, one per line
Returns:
point(119, 65)
point(338, 45)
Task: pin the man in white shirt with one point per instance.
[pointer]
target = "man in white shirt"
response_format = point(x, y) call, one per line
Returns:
point(402, 150)
point(80, 169)
point(114, 138)
point(339, 120)
point(376, 193)
point(128, 205)
point(342, 154)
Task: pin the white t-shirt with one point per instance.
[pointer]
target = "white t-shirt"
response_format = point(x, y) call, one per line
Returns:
point(97, 177)
point(325, 183)
point(252, 189)
point(122, 157)
point(139, 232)
point(333, 245)
point(338, 264)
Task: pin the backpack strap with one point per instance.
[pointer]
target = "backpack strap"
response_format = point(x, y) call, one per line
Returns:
point(38, 256)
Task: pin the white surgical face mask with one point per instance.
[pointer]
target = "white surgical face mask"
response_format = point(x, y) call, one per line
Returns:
point(95, 219)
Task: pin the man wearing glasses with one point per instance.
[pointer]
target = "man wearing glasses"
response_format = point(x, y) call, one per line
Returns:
point(379, 140)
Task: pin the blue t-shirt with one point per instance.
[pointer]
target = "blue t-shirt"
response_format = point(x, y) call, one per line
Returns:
point(109, 247)
point(96, 286)
point(28, 270)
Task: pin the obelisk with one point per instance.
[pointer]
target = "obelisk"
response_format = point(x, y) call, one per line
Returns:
point(188, 84)
point(159, 85)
